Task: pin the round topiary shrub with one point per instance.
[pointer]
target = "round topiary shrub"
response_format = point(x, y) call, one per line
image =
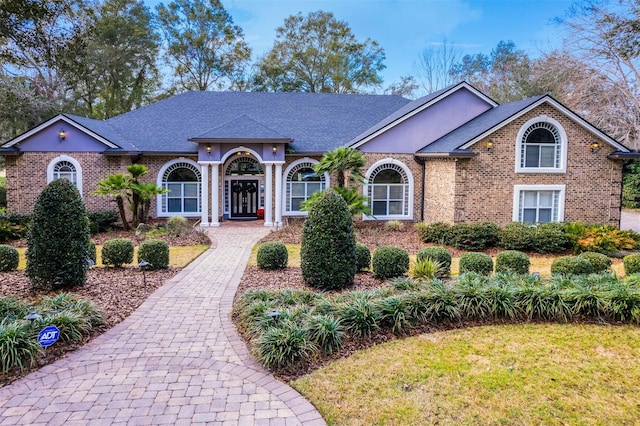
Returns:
point(155, 252)
point(117, 252)
point(8, 258)
point(570, 265)
point(438, 254)
point(599, 262)
point(631, 264)
point(390, 262)
point(272, 255)
point(512, 261)
point(476, 262)
point(328, 248)
point(58, 238)
point(550, 238)
point(363, 257)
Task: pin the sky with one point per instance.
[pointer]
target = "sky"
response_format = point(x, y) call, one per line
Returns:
point(404, 28)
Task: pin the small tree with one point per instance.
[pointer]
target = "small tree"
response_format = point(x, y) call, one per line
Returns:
point(58, 238)
point(342, 161)
point(328, 249)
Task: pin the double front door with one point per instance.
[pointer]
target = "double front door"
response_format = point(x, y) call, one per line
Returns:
point(244, 198)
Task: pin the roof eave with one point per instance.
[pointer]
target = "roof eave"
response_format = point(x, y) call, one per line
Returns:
point(622, 155)
point(147, 153)
point(241, 140)
point(458, 153)
point(10, 152)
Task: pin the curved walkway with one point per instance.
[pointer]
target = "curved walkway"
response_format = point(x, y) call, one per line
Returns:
point(176, 360)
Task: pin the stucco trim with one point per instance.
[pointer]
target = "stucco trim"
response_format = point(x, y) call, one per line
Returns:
point(229, 153)
point(555, 104)
point(564, 142)
point(76, 164)
point(159, 182)
point(57, 118)
point(407, 171)
point(453, 89)
point(519, 188)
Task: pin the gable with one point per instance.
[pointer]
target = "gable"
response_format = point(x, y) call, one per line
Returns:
point(410, 134)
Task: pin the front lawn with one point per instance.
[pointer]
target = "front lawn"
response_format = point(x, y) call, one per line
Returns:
point(510, 374)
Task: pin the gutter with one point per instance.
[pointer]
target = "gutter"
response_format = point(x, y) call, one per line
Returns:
point(457, 153)
point(621, 155)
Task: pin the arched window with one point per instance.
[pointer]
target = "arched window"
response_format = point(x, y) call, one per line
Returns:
point(542, 146)
point(389, 189)
point(182, 180)
point(65, 167)
point(300, 183)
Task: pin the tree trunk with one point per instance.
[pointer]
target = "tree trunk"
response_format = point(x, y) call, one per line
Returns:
point(123, 214)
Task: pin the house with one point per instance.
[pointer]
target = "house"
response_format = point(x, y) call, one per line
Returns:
point(453, 156)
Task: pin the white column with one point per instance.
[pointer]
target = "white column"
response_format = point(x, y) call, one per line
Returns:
point(268, 183)
point(278, 194)
point(215, 191)
point(204, 194)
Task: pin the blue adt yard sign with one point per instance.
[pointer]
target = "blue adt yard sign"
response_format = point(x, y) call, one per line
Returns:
point(48, 336)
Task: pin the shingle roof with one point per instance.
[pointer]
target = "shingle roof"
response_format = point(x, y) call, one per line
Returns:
point(103, 129)
point(482, 123)
point(315, 122)
point(241, 128)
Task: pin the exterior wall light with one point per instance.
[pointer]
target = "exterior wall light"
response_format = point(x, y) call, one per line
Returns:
point(62, 135)
point(489, 145)
point(595, 146)
point(209, 150)
point(274, 149)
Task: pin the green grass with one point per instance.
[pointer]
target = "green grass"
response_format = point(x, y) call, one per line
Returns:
point(179, 257)
point(516, 374)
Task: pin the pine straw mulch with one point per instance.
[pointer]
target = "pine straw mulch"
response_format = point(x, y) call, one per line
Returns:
point(117, 291)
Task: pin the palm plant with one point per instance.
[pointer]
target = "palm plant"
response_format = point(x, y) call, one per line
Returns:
point(341, 161)
point(115, 186)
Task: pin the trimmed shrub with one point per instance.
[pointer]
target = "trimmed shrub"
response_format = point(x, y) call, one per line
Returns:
point(93, 256)
point(328, 248)
point(599, 262)
point(58, 238)
point(272, 255)
point(479, 263)
point(512, 261)
point(438, 232)
point(156, 252)
point(474, 236)
point(117, 252)
point(9, 230)
point(517, 236)
point(570, 265)
point(8, 258)
point(390, 262)
point(178, 226)
point(631, 264)
point(102, 221)
point(550, 238)
point(440, 255)
point(363, 257)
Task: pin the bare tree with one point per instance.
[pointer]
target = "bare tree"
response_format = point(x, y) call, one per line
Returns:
point(435, 64)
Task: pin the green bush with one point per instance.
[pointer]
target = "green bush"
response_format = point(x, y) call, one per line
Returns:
point(18, 347)
point(156, 252)
point(512, 261)
point(361, 316)
point(178, 226)
point(326, 332)
point(363, 257)
point(93, 256)
point(570, 265)
point(328, 248)
point(284, 345)
point(389, 262)
point(10, 231)
point(631, 264)
point(58, 238)
point(117, 252)
point(102, 220)
point(425, 269)
point(12, 309)
point(440, 255)
point(479, 263)
point(474, 236)
point(272, 255)
point(550, 238)
point(599, 262)
point(438, 232)
point(517, 236)
point(8, 258)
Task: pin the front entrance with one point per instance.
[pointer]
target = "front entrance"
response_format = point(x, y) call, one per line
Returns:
point(244, 199)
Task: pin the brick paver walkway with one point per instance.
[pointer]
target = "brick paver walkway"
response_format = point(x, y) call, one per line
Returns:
point(175, 360)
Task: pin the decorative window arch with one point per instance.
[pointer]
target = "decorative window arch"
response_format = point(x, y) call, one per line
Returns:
point(300, 182)
point(389, 188)
point(244, 165)
point(541, 147)
point(65, 167)
point(183, 180)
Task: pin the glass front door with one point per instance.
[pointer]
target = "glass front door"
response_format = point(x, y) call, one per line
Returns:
point(244, 199)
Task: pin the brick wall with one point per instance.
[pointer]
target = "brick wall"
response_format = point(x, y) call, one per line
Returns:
point(440, 186)
point(485, 183)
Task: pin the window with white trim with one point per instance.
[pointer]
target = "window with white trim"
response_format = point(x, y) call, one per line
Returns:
point(65, 170)
point(182, 180)
point(300, 184)
point(541, 147)
point(538, 203)
point(388, 190)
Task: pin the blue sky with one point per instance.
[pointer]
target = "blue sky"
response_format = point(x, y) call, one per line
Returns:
point(405, 27)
